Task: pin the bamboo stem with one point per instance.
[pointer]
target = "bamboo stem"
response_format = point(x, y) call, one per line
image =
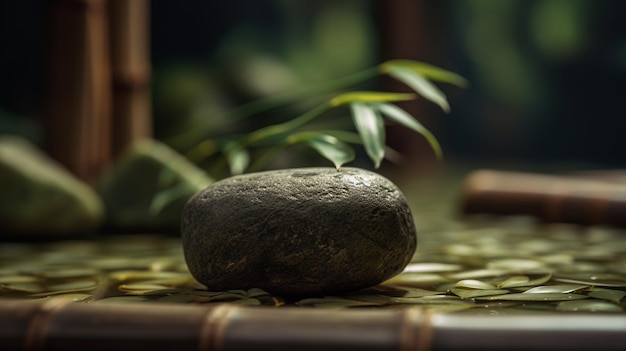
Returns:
point(78, 102)
point(130, 60)
point(60, 325)
point(549, 198)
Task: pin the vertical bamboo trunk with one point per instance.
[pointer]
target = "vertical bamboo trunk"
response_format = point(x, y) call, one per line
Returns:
point(404, 33)
point(131, 72)
point(78, 107)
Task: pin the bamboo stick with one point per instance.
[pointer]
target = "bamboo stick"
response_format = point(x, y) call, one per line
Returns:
point(78, 100)
point(549, 198)
point(130, 57)
point(60, 325)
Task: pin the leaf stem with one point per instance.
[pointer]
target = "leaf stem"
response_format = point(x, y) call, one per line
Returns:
point(281, 128)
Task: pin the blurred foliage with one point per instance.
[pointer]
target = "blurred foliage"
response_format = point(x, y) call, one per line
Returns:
point(548, 77)
point(368, 110)
point(316, 42)
point(248, 108)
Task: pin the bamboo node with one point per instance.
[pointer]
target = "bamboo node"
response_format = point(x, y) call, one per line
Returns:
point(417, 330)
point(213, 327)
point(36, 332)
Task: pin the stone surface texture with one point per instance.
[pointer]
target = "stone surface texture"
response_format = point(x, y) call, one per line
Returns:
point(39, 197)
point(307, 231)
point(147, 188)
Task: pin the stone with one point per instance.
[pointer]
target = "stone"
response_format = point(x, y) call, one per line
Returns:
point(147, 188)
point(40, 198)
point(307, 231)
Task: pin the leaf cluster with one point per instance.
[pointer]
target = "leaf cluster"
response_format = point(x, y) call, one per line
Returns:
point(369, 111)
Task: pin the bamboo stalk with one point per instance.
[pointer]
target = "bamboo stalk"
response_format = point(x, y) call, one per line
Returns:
point(403, 27)
point(549, 198)
point(60, 325)
point(78, 102)
point(131, 72)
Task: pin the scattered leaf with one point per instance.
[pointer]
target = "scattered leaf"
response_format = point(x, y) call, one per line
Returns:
point(433, 300)
point(558, 288)
point(590, 305)
point(140, 288)
point(536, 297)
point(476, 274)
point(516, 264)
point(473, 293)
point(607, 294)
point(431, 267)
point(416, 280)
point(474, 284)
point(594, 279)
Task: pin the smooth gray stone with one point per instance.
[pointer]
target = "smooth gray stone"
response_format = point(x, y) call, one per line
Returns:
point(39, 197)
point(147, 188)
point(308, 231)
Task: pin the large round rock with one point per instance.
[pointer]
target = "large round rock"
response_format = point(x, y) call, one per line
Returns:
point(307, 231)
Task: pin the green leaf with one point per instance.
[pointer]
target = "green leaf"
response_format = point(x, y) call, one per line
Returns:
point(607, 294)
point(402, 117)
point(473, 293)
point(557, 288)
point(421, 85)
point(536, 297)
point(474, 284)
point(369, 96)
point(369, 124)
point(328, 146)
point(590, 305)
point(165, 197)
point(427, 70)
point(238, 159)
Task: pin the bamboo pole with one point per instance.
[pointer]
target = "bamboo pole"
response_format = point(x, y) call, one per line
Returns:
point(77, 122)
point(130, 55)
point(405, 34)
point(573, 199)
point(58, 324)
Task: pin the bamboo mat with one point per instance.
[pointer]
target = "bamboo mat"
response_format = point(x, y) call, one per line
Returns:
point(477, 266)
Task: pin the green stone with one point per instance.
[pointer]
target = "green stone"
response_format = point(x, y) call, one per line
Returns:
point(147, 188)
point(40, 197)
point(308, 231)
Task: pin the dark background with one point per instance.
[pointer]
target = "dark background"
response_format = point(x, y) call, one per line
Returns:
point(547, 77)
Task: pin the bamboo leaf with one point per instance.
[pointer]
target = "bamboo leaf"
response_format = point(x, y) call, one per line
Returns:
point(427, 70)
point(328, 146)
point(590, 305)
point(238, 159)
point(431, 267)
point(165, 197)
point(607, 294)
point(594, 279)
point(474, 284)
point(473, 293)
point(514, 281)
point(421, 85)
point(402, 117)
point(369, 96)
point(558, 288)
point(536, 297)
point(369, 124)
